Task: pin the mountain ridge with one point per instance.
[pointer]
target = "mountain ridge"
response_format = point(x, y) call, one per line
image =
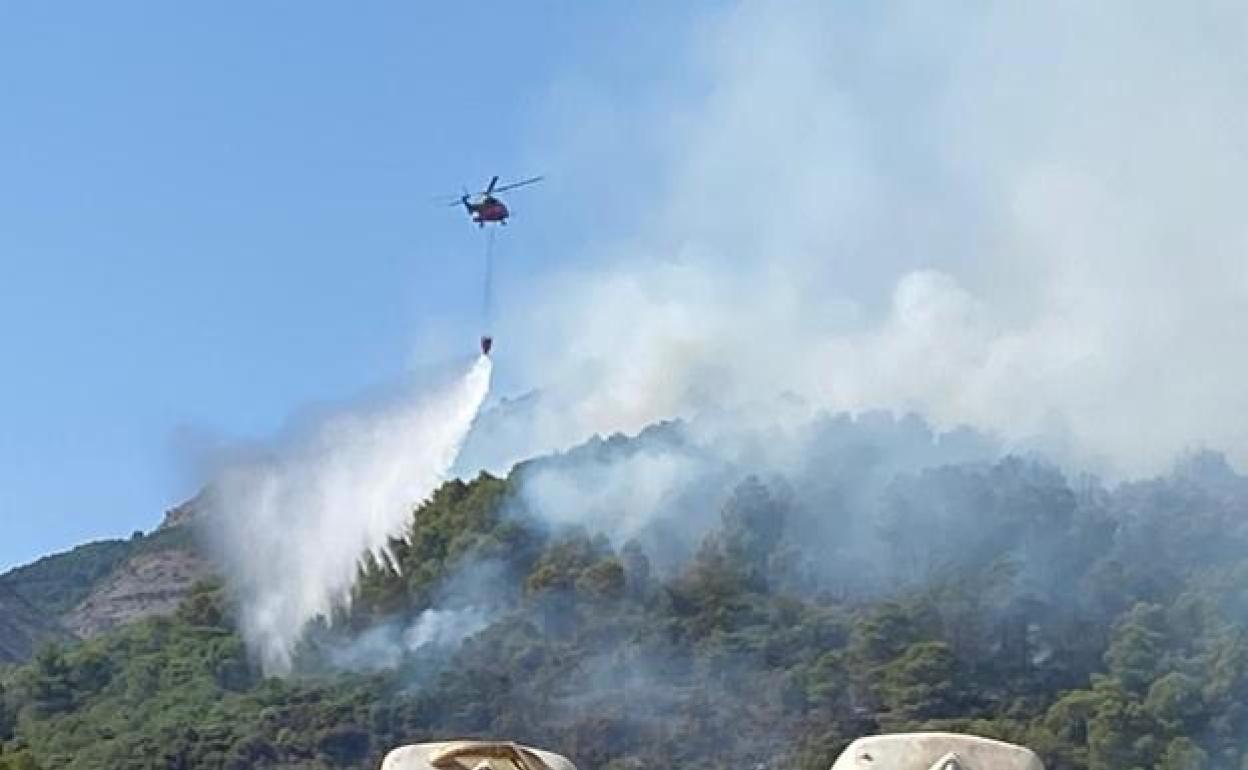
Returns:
point(78, 593)
point(1002, 598)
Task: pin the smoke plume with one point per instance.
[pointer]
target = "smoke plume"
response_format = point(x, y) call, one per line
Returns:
point(291, 523)
point(469, 599)
point(1023, 218)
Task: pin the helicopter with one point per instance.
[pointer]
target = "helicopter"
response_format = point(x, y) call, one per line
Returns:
point(487, 208)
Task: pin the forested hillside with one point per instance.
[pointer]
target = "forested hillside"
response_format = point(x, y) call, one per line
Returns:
point(23, 627)
point(1101, 626)
point(54, 584)
point(95, 586)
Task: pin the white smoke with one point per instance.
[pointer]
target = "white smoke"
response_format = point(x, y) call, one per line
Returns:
point(469, 598)
point(444, 627)
point(1025, 217)
point(383, 647)
point(291, 526)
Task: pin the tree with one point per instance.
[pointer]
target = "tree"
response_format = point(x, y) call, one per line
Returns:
point(1135, 653)
point(204, 605)
point(1120, 733)
point(636, 569)
point(921, 683)
point(1175, 702)
point(602, 580)
point(49, 683)
point(1183, 754)
point(753, 522)
point(885, 633)
point(20, 760)
point(7, 717)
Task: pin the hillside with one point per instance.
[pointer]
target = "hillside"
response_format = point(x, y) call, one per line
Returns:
point(150, 582)
point(54, 584)
point(23, 627)
point(96, 586)
point(1103, 626)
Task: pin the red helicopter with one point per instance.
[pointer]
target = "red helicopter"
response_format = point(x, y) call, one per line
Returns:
point(486, 208)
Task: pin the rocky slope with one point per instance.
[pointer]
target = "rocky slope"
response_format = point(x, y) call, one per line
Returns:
point(55, 584)
point(97, 586)
point(148, 583)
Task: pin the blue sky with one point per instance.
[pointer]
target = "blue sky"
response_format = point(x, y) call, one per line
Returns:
point(215, 217)
point(212, 216)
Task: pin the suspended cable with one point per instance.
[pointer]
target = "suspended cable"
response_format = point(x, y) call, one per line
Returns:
point(487, 293)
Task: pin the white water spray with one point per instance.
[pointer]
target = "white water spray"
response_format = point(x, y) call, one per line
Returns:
point(292, 526)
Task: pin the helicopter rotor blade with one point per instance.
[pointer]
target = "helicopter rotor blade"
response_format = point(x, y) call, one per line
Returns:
point(493, 187)
point(457, 199)
point(521, 183)
point(448, 200)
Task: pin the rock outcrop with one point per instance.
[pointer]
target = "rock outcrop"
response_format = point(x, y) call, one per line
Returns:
point(149, 583)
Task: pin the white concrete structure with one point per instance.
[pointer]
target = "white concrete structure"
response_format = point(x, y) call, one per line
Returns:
point(473, 755)
point(934, 751)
